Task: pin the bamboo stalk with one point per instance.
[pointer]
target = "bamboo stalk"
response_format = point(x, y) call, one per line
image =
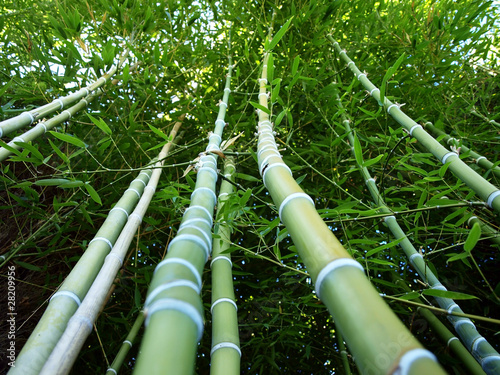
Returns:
point(126, 345)
point(482, 161)
point(380, 343)
point(225, 353)
point(81, 323)
point(476, 344)
point(173, 303)
point(67, 299)
point(484, 189)
point(44, 126)
point(29, 117)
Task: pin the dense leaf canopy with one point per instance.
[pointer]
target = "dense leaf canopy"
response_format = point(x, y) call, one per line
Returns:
point(175, 62)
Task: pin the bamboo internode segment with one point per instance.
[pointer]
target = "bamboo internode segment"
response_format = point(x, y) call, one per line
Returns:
point(484, 189)
point(44, 126)
point(80, 325)
point(225, 353)
point(29, 117)
point(380, 343)
point(475, 343)
point(177, 309)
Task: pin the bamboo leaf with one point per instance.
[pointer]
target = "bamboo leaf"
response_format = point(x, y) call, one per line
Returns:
point(447, 294)
point(281, 32)
point(100, 124)
point(159, 133)
point(51, 182)
point(472, 238)
point(261, 107)
point(384, 247)
point(93, 193)
point(390, 72)
point(358, 153)
point(68, 138)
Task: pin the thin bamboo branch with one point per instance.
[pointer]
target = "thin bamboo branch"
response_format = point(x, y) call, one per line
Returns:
point(484, 189)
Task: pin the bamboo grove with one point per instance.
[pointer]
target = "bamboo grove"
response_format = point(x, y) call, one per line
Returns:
point(249, 187)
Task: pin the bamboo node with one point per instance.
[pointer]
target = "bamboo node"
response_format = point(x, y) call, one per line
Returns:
point(290, 198)
point(332, 266)
point(225, 345)
point(221, 257)
point(228, 300)
point(32, 119)
point(411, 356)
point(171, 284)
point(479, 158)
point(102, 239)
point(451, 339)
point(447, 155)
point(112, 370)
point(67, 293)
point(413, 128)
point(116, 256)
point(183, 262)
point(492, 197)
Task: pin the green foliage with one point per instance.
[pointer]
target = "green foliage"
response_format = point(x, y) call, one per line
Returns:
point(440, 59)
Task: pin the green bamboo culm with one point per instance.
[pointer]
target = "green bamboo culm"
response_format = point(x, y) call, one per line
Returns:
point(444, 333)
point(480, 160)
point(484, 189)
point(173, 307)
point(126, 345)
point(44, 126)
point(81, 323)
point(378, 340)
point(485, 354)
point(29, 117)
point(67, 299)
point(225, 353)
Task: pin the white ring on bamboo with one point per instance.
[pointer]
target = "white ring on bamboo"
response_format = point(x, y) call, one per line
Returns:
point(85, 100)
point(479, 158)
point(439, 286)
point(372, 90)
point(138, 179)
point(211, 156)
point(68, 112)
point(215, 135)
point(178, 305)
point(262, 80)
point(264, 123)
point(203, 188)
point(447, 155)
point(268, 148)
point(86, 91)
point(269, 141)
point(196, 219)
point(212, 147)
point(102, 239)
point(225, 345)
point(370, 179)
point(223, 195)
point(228, 90)
point(67, 293)
point(262, 129)
point(282, 165)
point(82, 319)
point(389, 217)
point(477, 342)
point(451, 307)
point(127, 342)
point(61, 104)
point(134, 190)
point(263, 93)
point(208, 162)
point(171, 284)
point(362, 74)
point(102, 78)
point(2, 257)
point(492, 197)
point(116, 256)
point(389, 109)
point(207, 237)
point(333, 265)
point(193, 238)
point(488, 359)
point(183, 262)
point(112, 370)
point(147, 174)
point(407, 360)
point(223, 103)
point(139, 217)
point(120, 209)
point(266, 137)
point(470, 218)
point(44, 127)
point(220, 120)
point(451, 339)
point(221, 257)
point(223, 299)
point(451, 139)
point(208, 169)
point(414, 127)
point(203, 209)
point(32, 119)
point(150, 187)
point(266, 161)
point(17, 139)
point(350, 62)
point(412, 256)
point(290, 198)
point(458, 323)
